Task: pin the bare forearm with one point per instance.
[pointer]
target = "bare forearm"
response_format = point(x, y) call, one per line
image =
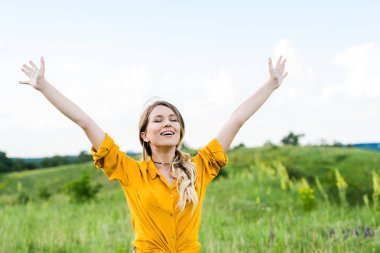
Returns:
point(244, 111)
point(37, 80)
point(64, 105)
point(252, 104)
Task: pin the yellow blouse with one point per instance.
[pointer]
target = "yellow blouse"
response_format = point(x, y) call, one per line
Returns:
point(158, 224)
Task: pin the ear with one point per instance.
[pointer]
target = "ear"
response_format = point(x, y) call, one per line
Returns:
point(143, 136)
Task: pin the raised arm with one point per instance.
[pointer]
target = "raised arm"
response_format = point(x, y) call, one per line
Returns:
point(252, 104)
point(37, 80)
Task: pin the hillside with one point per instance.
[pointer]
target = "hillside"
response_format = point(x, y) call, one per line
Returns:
point(355, 165)
point(251, 207)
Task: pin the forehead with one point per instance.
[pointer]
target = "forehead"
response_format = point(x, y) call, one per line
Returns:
point(161, 110)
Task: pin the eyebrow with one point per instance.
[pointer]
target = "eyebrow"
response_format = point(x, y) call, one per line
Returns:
point(161, 116)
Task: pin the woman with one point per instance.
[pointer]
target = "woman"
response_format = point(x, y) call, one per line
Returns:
point(166, 189)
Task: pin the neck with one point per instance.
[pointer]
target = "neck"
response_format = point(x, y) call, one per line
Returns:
point(163, 155)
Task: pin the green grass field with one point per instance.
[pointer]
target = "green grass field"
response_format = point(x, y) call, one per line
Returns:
point(246, 210)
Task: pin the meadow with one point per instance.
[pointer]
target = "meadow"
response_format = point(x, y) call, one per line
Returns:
point(269, 199)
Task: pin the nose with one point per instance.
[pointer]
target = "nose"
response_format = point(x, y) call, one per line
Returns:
point(168, 124)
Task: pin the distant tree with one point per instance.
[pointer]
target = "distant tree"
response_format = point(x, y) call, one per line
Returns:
point(240, 145)
point(54, 161)
point(83, 156)
point(21, 164)
point(337, 144)
point(323, 143)
point(292, 139)
point(31, 165)
point(5, 163)
point(270, 144)
point(18, 164)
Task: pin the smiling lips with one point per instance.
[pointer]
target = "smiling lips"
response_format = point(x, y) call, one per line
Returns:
point(167, 133)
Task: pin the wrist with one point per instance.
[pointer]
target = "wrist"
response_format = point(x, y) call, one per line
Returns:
point(271, 84)
point(42, 84)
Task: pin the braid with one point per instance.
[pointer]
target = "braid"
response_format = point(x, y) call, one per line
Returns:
point(185, 171)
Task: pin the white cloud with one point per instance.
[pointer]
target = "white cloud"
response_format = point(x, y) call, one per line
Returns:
point(286, 48)
point(331, 105)
point(114, 95)
point(360, 63)
point(4, 115)
point(208, 92)
point(349, 105)
point(301, 80)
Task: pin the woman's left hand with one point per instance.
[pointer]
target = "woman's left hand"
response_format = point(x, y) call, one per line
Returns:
point(277, 74)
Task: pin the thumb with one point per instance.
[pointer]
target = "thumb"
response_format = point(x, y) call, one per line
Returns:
point(42, 67)
point(270, 65)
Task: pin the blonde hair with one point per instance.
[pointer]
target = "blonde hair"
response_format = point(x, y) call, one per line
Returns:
point(182, 168)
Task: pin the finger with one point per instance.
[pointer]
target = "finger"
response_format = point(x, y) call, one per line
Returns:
point(42, 60)
point(270, 65)
point(33, 65)
point(284, 75)
point(283, 62)
point(27, 72)
point(278, 61)
point(23, 82)
point(282, 65)
point(27, 67)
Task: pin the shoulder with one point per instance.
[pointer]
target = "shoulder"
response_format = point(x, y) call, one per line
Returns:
point(213, 152)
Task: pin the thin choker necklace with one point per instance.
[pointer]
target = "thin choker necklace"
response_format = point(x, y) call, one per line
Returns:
point(162, 163)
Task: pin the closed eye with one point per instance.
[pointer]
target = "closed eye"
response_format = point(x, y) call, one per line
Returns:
point(173, 120)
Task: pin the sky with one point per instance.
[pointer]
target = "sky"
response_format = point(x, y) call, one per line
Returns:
point(206, 57)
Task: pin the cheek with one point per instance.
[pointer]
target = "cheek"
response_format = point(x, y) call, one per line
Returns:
point(177, 126)
point(153, 130)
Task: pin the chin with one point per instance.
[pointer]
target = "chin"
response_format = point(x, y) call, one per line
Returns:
point(168, 143)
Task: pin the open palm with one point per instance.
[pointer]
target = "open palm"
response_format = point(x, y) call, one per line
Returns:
point(35, 74)
point(277, 74)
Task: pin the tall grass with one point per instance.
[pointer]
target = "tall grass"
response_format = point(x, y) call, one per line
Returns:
point(258, 207)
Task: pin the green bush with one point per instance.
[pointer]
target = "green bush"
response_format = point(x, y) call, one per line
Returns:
point(43, 193)
point(81, 190)
point(22, 196)
point(307, 196)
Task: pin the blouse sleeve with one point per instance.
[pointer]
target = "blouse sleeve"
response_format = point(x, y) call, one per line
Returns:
point(115, 164)
point(210, 160)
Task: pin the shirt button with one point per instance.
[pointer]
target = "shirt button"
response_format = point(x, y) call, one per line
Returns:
point(173, 237)
point(171, 195)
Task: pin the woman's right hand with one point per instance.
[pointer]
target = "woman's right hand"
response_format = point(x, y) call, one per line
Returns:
point(35, 74)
